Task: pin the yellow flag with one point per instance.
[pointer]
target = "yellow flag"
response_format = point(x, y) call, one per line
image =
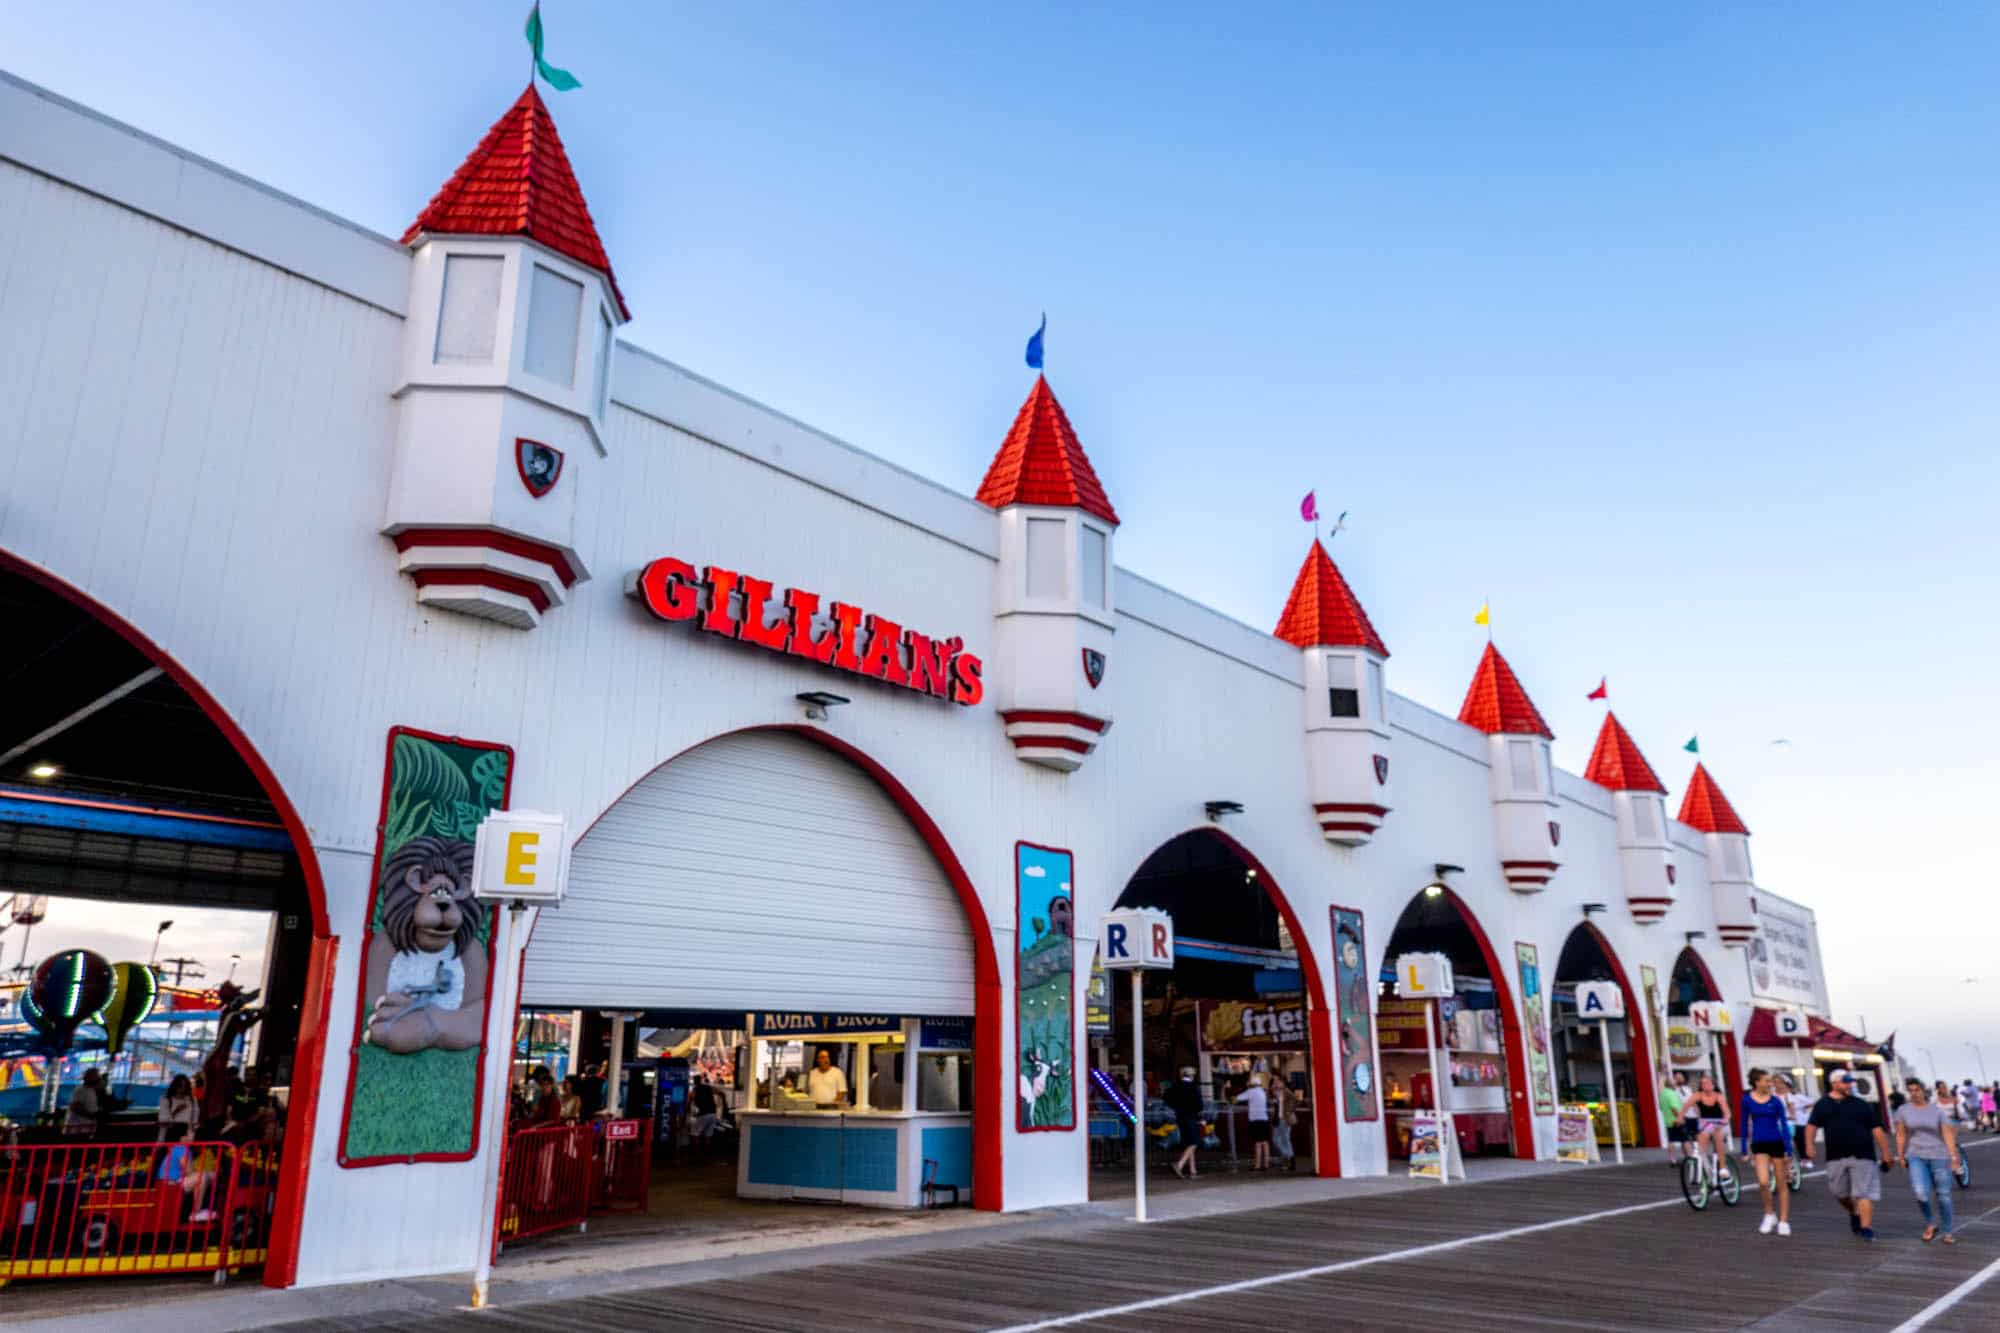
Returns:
point(1485, 616)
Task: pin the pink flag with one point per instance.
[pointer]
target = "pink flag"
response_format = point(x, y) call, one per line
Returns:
point(1309, 508)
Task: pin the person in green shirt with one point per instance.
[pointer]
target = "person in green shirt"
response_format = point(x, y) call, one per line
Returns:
point(1671, 1102)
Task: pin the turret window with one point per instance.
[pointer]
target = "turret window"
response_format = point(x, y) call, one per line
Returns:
point(603, 362)
point(1645, 817)
point(555, 312)
point(1527, 766)
point(1343, 703)
point(1374, 670)
point(1093, 566)
point(1047, 559)
point(468, 309)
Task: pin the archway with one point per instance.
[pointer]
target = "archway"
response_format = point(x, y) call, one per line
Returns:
point(1693, 982)
point(771, 888)
point(1244, 999)
point(1492, 1115)
point(1587, 956)
point(140, 789)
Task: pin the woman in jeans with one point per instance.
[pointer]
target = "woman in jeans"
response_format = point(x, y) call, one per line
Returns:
point(1927, 1145)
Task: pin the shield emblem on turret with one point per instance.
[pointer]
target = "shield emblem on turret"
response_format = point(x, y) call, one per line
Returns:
point(1093, 667)
point(1670, 874)
point(1381, 769)
point(1555, 834)
point(539, 465)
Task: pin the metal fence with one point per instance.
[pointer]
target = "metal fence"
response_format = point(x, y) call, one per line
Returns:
point(625, 1156)
point(101, 1210)
point(555, 1176)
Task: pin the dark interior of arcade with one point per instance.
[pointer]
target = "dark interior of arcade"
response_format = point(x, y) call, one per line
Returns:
point(1468, 1029)
point(152, 953)
point(1580, 1046)
point(1232, 1008)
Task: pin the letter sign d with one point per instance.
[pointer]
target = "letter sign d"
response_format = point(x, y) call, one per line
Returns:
point(1114, 940)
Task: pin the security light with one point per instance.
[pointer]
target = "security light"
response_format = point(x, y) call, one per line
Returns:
point(1589, 908)
point(818, 701)
point(43, 772)
point(1217, 809)
point(1692, 935)
point(1437, 887)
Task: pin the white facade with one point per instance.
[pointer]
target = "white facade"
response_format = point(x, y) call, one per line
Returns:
point(204, 386)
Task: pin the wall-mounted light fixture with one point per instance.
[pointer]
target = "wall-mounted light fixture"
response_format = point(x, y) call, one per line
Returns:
point(818, 701)
point(1438, 887)
point(1591, 908)
point(1692, 935)
point(43, 772)
point(1217, 809)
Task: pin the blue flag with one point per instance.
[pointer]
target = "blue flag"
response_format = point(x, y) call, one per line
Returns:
point(1035, 344)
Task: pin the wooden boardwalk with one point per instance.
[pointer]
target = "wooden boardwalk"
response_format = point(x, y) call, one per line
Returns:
point(1659, 1267)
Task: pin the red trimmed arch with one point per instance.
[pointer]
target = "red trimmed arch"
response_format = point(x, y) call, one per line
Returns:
point(288, 1212)
point(1648, 1098)
point(1732, 1056)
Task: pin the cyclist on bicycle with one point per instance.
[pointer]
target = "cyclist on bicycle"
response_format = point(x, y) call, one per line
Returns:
point(1766, 1139)
point(1712, 1123)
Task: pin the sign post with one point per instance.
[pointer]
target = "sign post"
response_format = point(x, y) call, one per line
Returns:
point(1792, 1026)
point(1604, 1001)
point(1427, 977)
point(1138, 940)
point(519, 857)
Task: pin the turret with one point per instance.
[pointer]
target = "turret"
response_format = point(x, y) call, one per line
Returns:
point(1051, 670)
point(505, 378)
point(1705, 808)
point(1347, 730)
point(1521, 778)
point(1645, 860)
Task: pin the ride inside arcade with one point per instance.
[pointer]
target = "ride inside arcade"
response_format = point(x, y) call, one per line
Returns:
point(1232, 1009)
point(153, 950)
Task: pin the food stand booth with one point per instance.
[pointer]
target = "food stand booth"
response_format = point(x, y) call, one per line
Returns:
point(873, 1136)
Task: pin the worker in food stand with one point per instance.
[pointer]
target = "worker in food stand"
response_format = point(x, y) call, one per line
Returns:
point(826, 1085)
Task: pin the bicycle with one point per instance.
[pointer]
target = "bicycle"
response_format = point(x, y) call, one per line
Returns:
point(1795, 1172)
point(1701, 1177)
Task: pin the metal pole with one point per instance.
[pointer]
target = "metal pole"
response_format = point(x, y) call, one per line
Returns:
point(1982, 1061)
point(1611, 1091)
point(500, 1071)
point(1138, 1095)
point(1800, 1063)
point(1437, 1092)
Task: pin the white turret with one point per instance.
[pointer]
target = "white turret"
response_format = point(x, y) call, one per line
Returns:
point(1645, 860)
point(505, 378)
point(1522, 781)
point(1704, 807)
point(1347, 727)
point(1051, 670)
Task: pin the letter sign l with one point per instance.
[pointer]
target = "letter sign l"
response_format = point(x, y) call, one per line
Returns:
point(520, 867)
point(1415, 985)
point(1114, 940)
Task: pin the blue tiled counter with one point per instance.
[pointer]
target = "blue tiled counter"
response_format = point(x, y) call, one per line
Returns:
point(875, 1159)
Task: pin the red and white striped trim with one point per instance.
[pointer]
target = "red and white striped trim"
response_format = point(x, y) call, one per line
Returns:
point(1646, 911)
point(485, 572)
point(1052, 738)
point(1350, 824)
point(1529, 876)
point(1735, 936)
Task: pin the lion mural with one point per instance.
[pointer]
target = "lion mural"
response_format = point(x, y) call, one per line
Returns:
point(426, 965)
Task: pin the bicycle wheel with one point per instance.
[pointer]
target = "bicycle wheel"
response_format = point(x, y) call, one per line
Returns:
point(1795, 1174)
point(1731, 1185)
point(1694, 1183)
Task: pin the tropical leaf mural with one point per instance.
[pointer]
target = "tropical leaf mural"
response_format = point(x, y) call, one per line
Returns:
point(1045, 989)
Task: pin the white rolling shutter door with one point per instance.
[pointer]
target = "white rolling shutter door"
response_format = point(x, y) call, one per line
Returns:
point(757, 871)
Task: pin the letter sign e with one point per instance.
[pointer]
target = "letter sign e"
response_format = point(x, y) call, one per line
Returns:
point(1114, 940)
point(520, 867)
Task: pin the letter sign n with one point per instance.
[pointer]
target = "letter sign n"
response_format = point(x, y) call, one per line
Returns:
point(1114, 940)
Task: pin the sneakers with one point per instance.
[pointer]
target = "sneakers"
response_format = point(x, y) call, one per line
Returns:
point(1867, 1233)
point(1784, 1228)
point(1769, 1224)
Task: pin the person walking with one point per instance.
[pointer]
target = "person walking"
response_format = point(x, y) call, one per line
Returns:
point(1799, 1106)
point(1988, 1107)
point(1184, 1100)
point(1257, 1103)
point(1766, 1124)
point(1856, 1150)
point(1671, 1102)
point(1927, 1145)
point(1284, 1114)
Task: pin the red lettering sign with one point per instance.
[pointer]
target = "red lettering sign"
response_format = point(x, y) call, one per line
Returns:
point(740, 606)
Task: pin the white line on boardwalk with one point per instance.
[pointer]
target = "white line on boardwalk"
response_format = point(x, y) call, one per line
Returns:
point(1949, 1299)
point(1323, 1270)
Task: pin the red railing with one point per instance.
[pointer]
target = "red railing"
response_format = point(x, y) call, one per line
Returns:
point(555, 1176)
point(89, 1210)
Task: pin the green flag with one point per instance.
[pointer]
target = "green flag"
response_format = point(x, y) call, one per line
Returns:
point(1693, 746)
point(559, 79)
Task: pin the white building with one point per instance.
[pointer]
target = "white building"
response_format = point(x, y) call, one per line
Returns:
point(341, 484)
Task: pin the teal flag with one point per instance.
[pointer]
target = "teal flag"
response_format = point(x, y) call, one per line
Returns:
point(559, 79)
point(1693, 746)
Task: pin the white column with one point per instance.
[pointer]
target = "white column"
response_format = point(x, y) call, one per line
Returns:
point(1611, 1091)
point(1139, 1095)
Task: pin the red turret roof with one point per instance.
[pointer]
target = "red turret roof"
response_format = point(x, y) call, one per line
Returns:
point(1324, 610)
point(1041, 462)
point(518, 182)
point(1706, 808)
point(1617, 764)
point(1496, 703)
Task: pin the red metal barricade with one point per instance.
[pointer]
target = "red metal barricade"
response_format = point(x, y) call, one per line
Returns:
point(545, 1181)
point(89, 1210)
point(625, 1165)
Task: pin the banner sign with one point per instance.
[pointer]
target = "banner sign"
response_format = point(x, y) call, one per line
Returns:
point(1649, 984)
point(1240, 1026)
point(414, 1080)
point(1097, 999)
point(1359, 1097)
point(1426, 1146)
point(1400, 1024)
point(822, 1025)
point(1576, 1135)
point(1784, 958)
point(944, 1034)
point(1044, 989)
point(730, 605)
point(1535, 1027)
point(1684, 1046)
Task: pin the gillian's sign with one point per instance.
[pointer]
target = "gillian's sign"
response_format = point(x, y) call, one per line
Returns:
point(737, 606)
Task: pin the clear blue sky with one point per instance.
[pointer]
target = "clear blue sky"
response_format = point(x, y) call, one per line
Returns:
point(1672, 329)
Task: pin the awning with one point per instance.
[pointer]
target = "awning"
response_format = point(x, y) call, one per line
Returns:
point(1820, 1034)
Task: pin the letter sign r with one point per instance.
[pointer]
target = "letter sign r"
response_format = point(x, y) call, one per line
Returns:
point(520, 867)
point(1159, 940)
point(1114, 940)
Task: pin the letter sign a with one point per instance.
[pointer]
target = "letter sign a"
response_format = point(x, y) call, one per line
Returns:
point(1599, 1000)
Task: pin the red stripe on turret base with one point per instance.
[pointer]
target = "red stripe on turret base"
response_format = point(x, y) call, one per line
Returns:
point(1348, 824)
point(1528, 876)
point(1053, 739)
point(1042, 715)
point(1648, 910)
point(1735, 937)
